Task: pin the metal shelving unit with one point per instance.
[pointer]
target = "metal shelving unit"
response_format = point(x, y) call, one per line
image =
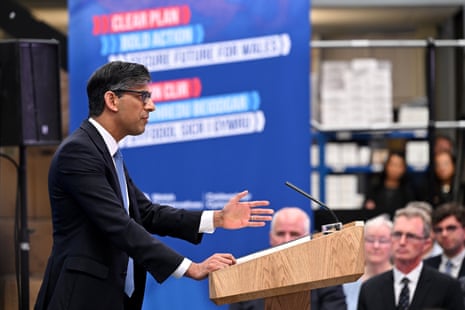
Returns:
point(323, 134)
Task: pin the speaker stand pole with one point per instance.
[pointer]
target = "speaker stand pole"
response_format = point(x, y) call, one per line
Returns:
point(24, 245)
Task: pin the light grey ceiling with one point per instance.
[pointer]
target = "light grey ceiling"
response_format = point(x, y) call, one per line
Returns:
point(386, 19)
point(326, 16)
point(385, 3)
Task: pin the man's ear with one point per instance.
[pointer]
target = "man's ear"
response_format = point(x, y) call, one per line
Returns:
point(111, 101)
point(428, 243)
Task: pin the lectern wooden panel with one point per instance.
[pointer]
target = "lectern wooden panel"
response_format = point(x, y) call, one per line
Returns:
point(293, 268)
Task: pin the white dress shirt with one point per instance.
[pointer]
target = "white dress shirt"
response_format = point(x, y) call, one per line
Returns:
point(456, 263)
point(206, 220)
point(413, 277)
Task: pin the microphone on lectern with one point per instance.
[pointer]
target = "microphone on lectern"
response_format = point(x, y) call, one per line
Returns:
point(335, 226)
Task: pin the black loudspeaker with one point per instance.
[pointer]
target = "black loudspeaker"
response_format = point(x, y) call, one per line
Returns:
point(30, 112)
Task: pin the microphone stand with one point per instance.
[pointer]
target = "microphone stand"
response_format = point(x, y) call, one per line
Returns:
point(24, 246)
point(328, 228)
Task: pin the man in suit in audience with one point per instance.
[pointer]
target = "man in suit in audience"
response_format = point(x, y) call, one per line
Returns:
point(411, 284)
point(449, 231)
point(288, 224)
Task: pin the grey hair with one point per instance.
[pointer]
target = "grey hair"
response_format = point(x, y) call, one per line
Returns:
point(299, 212)
point(413, 210)
point(380, 220)
point(425, 206)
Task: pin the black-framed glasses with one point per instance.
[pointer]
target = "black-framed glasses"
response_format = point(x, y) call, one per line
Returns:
point(397, 235)
point(144, 95)
point(448, 228)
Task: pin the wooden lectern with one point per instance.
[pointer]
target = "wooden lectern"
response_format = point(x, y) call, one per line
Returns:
point(284, 275)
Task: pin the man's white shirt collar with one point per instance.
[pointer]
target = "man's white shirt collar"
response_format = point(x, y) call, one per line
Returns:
point(110, 142)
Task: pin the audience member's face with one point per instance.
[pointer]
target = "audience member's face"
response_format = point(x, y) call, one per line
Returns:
point(450, 235)
point(442, 145)
point(408, 241)
point(377, 244)
point(444, 166)
point(395, 167)
point(287, 228)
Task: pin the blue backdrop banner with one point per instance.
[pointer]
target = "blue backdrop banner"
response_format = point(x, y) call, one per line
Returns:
point(230, 80)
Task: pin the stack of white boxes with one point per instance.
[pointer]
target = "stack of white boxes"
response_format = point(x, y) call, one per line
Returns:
point(341, 190)
point(353, 94)
point(417, 154)
point(356, 93)
point(334, 103)
point(414, 115)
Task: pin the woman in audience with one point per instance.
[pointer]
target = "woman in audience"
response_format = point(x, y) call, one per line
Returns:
point(442, 185)
point(393, 190)
point(377, 255)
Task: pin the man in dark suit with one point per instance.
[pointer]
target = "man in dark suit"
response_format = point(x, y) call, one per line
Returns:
point(103, 224)
point(411, 284)
point(449, 231)
point(288, 224)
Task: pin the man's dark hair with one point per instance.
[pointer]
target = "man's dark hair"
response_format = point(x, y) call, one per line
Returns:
point(449, 209)
point(113, 75)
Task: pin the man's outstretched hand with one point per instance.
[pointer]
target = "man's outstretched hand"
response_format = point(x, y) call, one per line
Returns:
point(237, 214)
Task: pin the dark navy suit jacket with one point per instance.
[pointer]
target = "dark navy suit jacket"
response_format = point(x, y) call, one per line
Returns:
point(434, 291)
point(93, 235)
point(435, 261)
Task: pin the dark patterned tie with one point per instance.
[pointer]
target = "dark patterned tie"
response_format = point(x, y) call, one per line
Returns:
point(129, 283)
point(404, 297)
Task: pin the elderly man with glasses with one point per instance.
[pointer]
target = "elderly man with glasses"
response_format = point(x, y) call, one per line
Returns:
point(411, 284)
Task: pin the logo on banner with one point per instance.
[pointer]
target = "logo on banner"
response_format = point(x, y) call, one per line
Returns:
point(209, 201)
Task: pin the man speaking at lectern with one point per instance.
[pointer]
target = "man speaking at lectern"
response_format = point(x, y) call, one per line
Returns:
point(103, 224)
point(288, 224)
